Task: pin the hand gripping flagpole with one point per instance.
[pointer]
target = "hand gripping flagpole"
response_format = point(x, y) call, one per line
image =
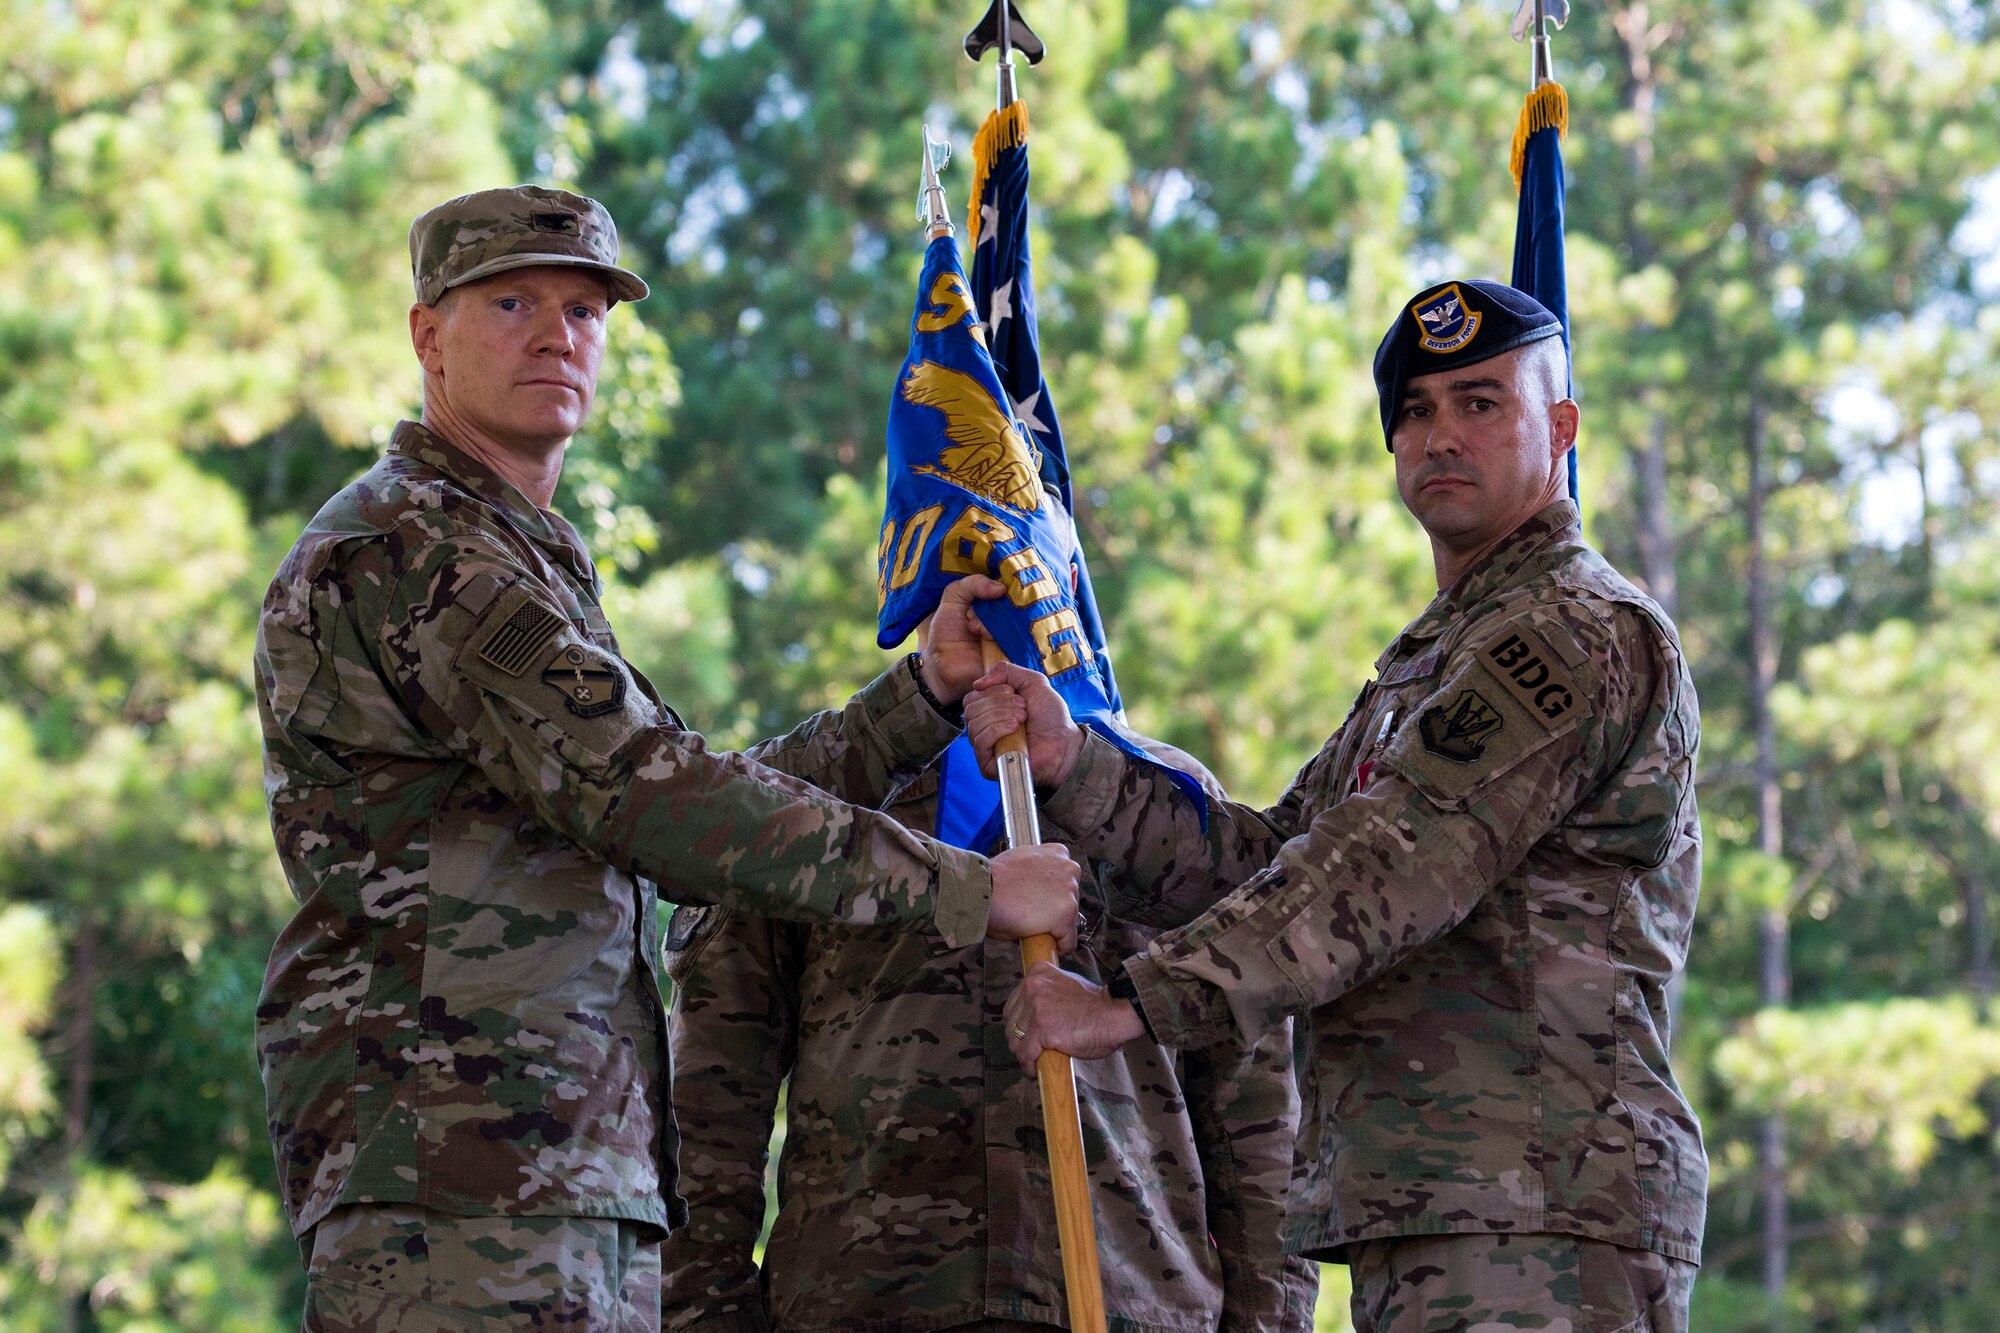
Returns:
point(1062, 1123)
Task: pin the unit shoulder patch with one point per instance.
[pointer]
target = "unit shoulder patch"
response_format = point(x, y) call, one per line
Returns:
point(589, 686)
point(1503, 697)
point(1458, 730)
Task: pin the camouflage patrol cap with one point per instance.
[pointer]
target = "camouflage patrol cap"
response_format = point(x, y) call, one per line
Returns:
point(491, 231)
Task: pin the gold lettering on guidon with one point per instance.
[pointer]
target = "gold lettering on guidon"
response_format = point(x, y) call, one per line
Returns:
point(910, 551)
point(968, 546)
point(1059, 639)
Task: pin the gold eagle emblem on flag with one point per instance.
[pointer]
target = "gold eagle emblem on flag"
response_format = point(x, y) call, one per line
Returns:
point(990, 453)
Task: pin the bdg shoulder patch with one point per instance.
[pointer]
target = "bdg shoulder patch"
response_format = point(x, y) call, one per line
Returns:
point(522, 626)
point(1500, 700)
point(1525, 667)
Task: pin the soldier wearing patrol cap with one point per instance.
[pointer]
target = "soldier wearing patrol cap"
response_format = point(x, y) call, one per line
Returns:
point(1479, 889)
point(478, 803)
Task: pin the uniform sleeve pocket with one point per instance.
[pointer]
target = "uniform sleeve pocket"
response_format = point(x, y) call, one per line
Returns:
point(579, 698)
point(1506, 699)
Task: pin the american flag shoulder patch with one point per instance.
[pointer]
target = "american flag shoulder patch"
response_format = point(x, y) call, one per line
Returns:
point(511, 646)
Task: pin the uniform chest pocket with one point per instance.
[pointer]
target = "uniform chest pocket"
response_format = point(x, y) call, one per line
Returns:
point(578, 697)
point(852, 969)
point(1384, 710)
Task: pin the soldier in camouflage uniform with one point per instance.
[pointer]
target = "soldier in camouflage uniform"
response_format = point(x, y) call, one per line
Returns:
point(914, 1189)
point(475, 797)
point(1479, 889)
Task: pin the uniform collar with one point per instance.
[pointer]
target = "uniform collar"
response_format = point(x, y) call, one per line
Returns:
point(413, 439)
point(1558, 524)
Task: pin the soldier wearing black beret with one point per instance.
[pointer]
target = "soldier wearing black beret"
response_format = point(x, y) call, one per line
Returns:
point(1479, 889)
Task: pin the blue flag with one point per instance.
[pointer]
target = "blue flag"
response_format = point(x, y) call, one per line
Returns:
point(1003, 292)
point(967, 496)
point(1538, 226)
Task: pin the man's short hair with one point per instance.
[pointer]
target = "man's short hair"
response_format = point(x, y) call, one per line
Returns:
point(1545, 369)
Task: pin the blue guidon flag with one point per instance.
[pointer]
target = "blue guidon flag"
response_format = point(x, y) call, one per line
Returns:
point(967, 495)
point(1537, 164)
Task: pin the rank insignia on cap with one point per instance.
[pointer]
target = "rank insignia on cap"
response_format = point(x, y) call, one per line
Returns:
point(1445, 322)
point(1458, 731)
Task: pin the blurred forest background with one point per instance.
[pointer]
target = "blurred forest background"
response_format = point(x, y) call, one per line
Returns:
point(1784, 222)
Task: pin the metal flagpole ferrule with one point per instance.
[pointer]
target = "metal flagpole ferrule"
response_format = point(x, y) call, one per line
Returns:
point(1017, 800)
point(1005, 94)
point(1543, 70)
point(932, 210)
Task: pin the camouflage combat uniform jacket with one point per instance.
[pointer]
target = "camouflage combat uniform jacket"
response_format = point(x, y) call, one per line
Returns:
point(913, 1185)
point(474, 798)
point(1479, 889)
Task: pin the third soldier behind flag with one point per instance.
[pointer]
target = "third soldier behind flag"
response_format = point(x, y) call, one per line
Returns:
point(911, 1137)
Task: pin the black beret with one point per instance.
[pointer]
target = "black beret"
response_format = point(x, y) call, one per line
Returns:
point(1453, 324)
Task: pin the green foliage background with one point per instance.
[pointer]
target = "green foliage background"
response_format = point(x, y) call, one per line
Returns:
point(1776, 235)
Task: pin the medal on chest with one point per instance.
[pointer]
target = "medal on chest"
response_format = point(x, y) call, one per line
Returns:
point(1366, 768)
point(1401, 673)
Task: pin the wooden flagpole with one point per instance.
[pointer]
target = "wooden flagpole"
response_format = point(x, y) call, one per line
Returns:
point(1076, 1227)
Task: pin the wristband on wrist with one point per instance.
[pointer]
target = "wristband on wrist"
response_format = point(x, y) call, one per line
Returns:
point(952, 713)
point(1121, 985)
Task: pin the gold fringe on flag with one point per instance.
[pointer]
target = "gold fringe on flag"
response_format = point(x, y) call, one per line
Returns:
point(1547, 108)
point(1003, 130)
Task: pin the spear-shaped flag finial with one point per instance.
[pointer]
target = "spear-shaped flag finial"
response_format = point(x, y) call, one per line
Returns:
point(1004, 30)
point(1530, 24)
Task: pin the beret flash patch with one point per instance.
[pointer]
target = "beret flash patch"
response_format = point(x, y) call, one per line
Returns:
point(1445, 322)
